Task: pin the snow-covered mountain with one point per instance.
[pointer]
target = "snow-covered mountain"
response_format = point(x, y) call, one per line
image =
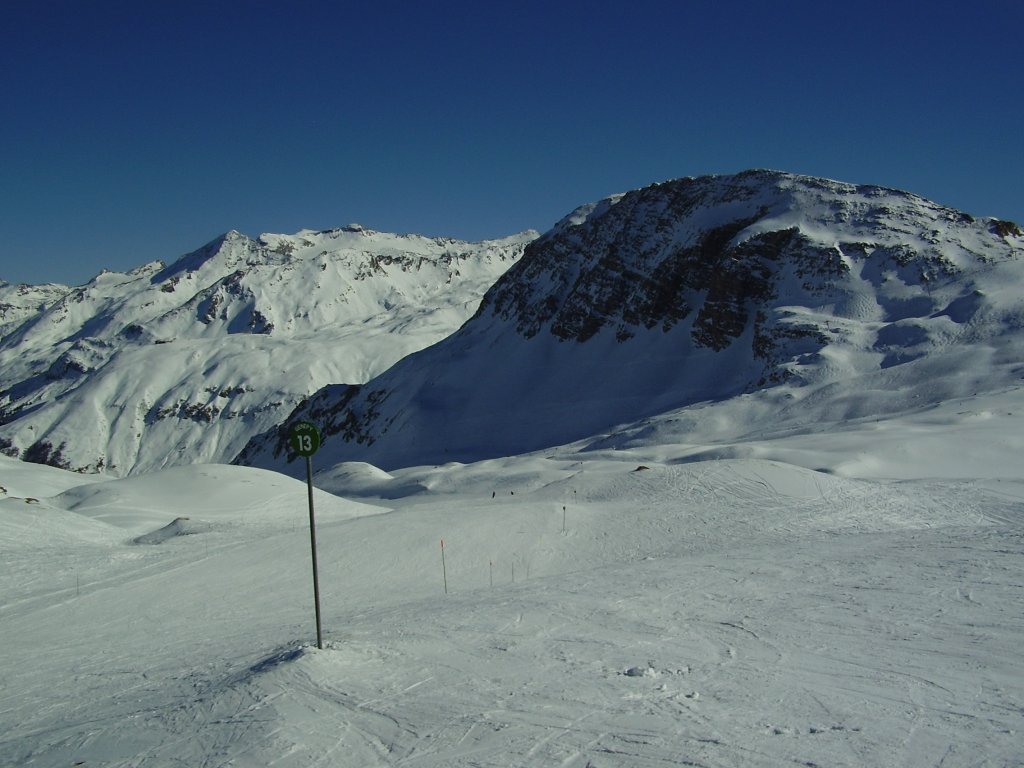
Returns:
point(817, 301)
point(177, 364)
point(824, 569)
point(20, 302)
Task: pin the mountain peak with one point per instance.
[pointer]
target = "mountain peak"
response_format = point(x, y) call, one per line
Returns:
point(653, 256)
point(693, 289)
point(232, 244)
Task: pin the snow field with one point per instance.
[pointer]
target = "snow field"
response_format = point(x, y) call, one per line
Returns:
point(716, 613)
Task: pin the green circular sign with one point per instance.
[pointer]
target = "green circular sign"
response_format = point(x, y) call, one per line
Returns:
point(304, 438)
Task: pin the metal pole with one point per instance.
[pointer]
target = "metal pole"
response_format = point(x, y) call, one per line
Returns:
point(444, 570)
point(312, 544)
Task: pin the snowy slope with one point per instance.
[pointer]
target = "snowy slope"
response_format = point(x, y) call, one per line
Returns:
point(717, 613)
point(819, 301)
point(183, 363)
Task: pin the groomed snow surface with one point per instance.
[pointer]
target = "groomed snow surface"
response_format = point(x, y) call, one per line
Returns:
point(628, 607)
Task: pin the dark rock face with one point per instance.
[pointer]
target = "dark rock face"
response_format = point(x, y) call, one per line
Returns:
point(707, 251)
point(638, 266)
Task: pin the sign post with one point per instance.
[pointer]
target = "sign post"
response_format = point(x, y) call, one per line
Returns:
point(304, 438)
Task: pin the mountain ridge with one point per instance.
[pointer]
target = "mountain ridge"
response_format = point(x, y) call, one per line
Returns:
point(179, 363)
point(687, 291)
point(417, 349)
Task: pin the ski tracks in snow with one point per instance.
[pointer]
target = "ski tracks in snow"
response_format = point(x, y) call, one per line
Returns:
point(750, 616)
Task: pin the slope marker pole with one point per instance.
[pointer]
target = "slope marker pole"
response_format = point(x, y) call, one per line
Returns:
point(312, 546)
point(305, 440)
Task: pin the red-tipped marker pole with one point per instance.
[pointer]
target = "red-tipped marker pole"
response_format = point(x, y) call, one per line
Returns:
point(444, 570)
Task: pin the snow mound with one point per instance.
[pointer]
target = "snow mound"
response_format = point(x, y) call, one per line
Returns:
point(28, 524)
point(22, 478)
point(357, 478)
point(215, 492)
point(182, 526)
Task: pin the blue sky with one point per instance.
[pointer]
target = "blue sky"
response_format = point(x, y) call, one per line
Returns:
point(132, 131)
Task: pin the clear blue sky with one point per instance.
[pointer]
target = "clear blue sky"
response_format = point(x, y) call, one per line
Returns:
point(133, 131)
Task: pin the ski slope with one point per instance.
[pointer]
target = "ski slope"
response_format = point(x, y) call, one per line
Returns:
point(606, 606)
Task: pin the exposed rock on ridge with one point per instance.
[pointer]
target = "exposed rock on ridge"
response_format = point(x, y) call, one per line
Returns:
point(706, 247)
